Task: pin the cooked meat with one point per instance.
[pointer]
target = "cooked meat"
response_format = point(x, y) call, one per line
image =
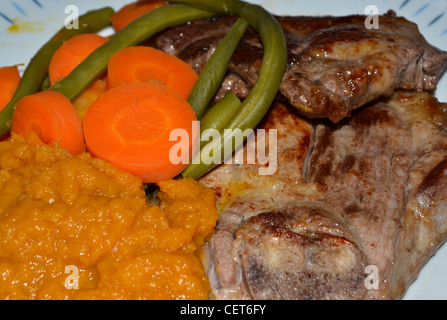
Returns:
point(424, 223)
point(344, 66)
point(242, 193)
point(368, 191)
point(364, 163)
point(300, 253)
point(361, 189)
point(336, 64)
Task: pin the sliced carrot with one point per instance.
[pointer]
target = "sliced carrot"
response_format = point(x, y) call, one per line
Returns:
point(9, 81)
point(68, 56)
point(51, 116)
point(133, 10)
point(141, 64)
point(130, 126)
point(72, 53)
point(86, 98)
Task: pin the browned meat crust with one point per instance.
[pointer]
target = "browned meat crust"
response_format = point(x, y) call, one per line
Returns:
point(300, 253)
point(368, 191)
point(349, 193)
point(336, 64)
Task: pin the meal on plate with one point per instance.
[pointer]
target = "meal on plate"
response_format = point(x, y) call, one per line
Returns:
point(212, 150)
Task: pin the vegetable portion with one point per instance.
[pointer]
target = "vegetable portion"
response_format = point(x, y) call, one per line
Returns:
point(130, 114)
point(52, 117)
point(89, 95)
point(71, 53)
point(130, 126)
point(214, 71)
point(218, 116)
point(37, 69)
point(133, 34)
point(256, 105)
point(9, 81)
point(132, 11)
point(142, 64)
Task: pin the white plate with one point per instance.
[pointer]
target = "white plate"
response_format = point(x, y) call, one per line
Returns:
point(25, 25)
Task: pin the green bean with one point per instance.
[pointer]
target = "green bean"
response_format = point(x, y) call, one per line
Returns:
point(37, 68)
point(134, 33)
point(218, 116)
point(274, 62)
point(45, 83)
point(214, 71)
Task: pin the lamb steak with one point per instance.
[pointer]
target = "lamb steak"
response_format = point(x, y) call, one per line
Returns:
point(357, 203)
point(335, 64)
point(367, 193)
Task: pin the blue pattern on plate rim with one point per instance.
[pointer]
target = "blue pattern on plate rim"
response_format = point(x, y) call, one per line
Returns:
point(18, 6)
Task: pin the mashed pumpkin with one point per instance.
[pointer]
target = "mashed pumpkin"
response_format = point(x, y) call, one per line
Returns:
point(75, 227)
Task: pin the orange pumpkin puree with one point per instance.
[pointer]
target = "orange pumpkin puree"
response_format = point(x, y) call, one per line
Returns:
point(75, 227)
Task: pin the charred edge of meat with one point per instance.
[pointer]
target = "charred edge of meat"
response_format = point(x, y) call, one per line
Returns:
point(336, 65)
point(283, 256)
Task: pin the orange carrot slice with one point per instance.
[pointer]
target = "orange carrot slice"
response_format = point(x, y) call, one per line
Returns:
point(9, 81)
point(133, 10)
point(51, 116)
point(86, 98)
point(130, 126)
point(142, 64)
point(72, 53)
